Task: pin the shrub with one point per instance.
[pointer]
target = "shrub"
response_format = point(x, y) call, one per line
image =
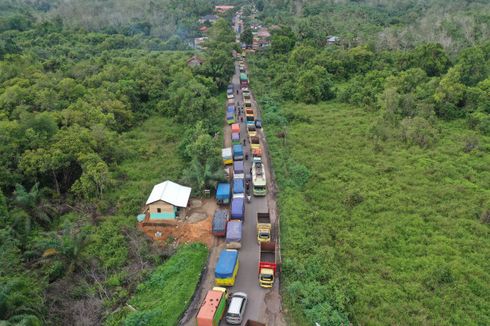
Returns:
point(417, 131)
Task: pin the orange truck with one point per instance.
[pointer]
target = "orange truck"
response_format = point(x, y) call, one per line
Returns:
point(212, 308)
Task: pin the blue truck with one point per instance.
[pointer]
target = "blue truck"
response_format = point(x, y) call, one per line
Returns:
point(237, 152)
point(223, 193)
point(238, 187)
point(238, 208)
point(226, 268)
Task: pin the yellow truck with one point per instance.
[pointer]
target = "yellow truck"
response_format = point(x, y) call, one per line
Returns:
point(226, 268)
point(264, 227)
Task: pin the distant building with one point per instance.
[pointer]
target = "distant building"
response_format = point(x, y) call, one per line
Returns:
point(165, 200)
point(199, 43)
point(222, 9)
point(208, 18)
point(332, 40)
point(261, 39)
point(194, 61)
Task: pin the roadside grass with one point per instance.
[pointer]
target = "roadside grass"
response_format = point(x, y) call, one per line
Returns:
point(380, 233)
point(165, 295)
point(152, 158)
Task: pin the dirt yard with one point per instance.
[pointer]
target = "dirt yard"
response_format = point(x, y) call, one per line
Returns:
point(195, 227)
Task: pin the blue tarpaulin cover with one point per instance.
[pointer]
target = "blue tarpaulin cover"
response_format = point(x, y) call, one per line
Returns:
point(234, 231)
point(226, 263)
point(223, 190)
point(238, 166)
point(230, 108)
point(238, 186)
point(237, 208)
point(237, 150)
point(230, 115)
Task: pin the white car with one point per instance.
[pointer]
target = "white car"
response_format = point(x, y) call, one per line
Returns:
point(236, 309)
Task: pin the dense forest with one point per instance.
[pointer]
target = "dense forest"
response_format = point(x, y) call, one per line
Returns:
point(90, 120)
point(380, 145)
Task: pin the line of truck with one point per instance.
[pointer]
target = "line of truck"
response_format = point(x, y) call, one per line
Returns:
point(228, 222)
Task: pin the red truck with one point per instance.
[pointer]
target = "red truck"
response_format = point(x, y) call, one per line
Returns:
point(267, 264)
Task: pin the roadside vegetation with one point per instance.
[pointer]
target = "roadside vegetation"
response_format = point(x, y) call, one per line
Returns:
point(163, 298)
point(382, 163)
point(89, 122)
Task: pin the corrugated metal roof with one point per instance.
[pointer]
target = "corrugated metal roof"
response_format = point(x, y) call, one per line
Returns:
point(170, 192)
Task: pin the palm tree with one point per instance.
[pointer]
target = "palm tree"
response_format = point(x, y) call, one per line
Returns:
point(19, 304)
point(34, 204)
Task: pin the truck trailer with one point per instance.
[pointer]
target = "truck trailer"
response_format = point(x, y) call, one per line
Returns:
point(227, 156)
point(254, 142)
point(237, 152)
point(234, 234)
point(267, 264)
point(213, 307)
point(223, 193)
point(238, 208)
point(238, 170)
point(226, 268)
point(235, 127)
point(243, 80)
point(235, 138)
point(264, 227)
point(220, 219)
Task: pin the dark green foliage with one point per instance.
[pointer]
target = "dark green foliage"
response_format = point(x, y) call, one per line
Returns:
point(86, 120)
point(247, 36)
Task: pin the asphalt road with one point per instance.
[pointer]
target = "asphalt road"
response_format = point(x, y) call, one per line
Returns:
point(264, 305)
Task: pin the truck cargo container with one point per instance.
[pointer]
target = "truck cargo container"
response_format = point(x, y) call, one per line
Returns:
point(226, 268)
point(235, 127)
point(257, 152)
point(227, 155)
point(238, 169)
point(251, 130)
point(238, 187)
point(238, 208)
point(267, 264)
point(234, 234)
point(213, 307)
point(237, 152)
point(243, 80)
point(254, 142)
point(250, 117)
point(258, 177)
point(230, 117)
point(264, 227)
point(246, 94)
point(230, 96)
point(220, 219)
point(230, 108)
point(223, 193)
point(235, 138)
point(247, 103)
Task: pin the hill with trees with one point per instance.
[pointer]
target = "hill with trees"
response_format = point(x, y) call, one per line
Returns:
point(381, 155)
point(86, 120)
